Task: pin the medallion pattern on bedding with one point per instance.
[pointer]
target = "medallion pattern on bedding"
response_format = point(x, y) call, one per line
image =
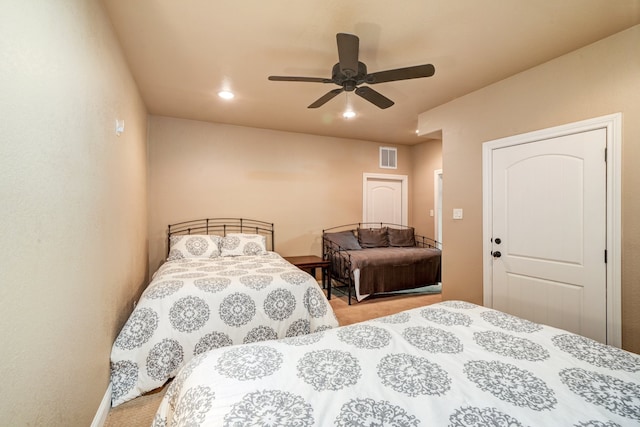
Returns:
point(194, 246)
point(449, 364)
point(193, 305)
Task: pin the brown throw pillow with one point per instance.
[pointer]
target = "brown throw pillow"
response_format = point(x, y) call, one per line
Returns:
point(401, 237)
point(345, 239)
point(373, 237)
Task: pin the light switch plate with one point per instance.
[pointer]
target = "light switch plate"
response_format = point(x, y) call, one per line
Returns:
point(457, 213)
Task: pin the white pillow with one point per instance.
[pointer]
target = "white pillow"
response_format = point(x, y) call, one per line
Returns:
point(194, 246)
point(234, 244)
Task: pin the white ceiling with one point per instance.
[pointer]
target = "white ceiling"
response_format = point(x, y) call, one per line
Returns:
point(181, 53)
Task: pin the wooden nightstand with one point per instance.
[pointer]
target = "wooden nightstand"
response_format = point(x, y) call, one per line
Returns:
point(309, 263)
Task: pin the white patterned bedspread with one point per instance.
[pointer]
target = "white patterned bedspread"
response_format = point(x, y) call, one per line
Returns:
point(448, 364)
point(194, 305)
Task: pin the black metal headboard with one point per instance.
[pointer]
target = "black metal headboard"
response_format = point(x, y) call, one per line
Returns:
point(357, 225)
point(421, 241)
point(221, 227)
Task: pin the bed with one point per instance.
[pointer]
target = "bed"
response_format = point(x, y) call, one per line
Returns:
point(222, 284)
point(447, 364)
point(371, 258)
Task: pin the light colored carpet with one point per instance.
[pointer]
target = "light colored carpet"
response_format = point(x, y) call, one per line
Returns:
point(139, 412)
point(380, 305)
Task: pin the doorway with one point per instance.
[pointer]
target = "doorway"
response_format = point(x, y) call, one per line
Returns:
point(437, 204)
point(385, 198)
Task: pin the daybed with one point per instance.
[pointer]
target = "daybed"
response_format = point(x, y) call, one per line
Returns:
point(380, 257)
point(447, 364)
point(219, 286)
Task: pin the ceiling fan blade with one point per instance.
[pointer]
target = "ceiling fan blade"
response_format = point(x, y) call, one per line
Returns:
point(299, 79)
point(326, 97)
point(348, 46)
point(415, 72)
point(374, 97)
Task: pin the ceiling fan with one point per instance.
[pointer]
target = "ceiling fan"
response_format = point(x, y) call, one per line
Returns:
point(349, 73)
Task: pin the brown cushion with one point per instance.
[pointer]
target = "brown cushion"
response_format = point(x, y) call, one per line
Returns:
point(401, 237)
point(345, 239)
point(373, 237)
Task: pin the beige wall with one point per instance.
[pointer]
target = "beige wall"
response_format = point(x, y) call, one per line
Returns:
point(426, 158)
point(302, 183)
point(73, 212)
point(600, 79)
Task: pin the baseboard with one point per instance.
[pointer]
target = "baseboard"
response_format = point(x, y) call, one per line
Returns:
point(103, 409)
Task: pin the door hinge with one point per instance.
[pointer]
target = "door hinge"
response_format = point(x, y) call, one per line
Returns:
point(605, 154)
point(605, 256)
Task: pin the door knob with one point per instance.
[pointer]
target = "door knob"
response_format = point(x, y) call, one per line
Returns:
point(498, 241)
point(497, 254)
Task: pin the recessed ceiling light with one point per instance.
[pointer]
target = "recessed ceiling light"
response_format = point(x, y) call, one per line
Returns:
point(349, 114)
point(225, 94)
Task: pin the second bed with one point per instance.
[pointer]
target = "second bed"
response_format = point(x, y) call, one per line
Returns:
point(213, 291)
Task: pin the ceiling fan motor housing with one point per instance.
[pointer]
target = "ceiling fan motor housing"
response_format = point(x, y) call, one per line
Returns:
point(349, 82)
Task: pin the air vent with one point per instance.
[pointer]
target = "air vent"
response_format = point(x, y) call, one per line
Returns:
point(388, 158)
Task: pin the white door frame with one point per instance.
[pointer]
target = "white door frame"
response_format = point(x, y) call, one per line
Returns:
point(613, 125)
point(403, 179)
point(437, 205)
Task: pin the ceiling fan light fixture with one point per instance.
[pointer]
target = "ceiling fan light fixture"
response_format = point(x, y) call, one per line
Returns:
point(225, 94)
point(349, 114)
point(348, 110)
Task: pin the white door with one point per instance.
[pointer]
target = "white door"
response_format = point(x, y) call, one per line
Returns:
point(549, 232)
point(384, 199)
